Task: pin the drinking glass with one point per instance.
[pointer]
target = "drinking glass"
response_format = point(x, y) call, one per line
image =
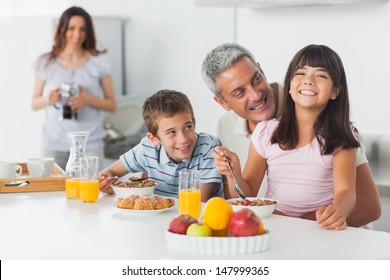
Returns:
point(89, 185)
point(189, 193)
point(77, 142)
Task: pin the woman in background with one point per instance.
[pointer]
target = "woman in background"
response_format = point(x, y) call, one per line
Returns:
point(73, 84)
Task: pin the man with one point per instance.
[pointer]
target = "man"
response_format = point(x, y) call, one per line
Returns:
point(240, 86)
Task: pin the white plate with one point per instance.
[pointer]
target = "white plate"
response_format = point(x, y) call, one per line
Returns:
point(218, 245)
point(140, 212)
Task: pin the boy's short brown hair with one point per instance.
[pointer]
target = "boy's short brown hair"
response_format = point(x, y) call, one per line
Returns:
point(165, 103)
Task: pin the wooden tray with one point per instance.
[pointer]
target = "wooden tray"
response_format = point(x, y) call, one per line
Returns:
point(56, 182)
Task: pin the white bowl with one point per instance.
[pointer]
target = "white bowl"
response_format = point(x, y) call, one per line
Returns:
point(261, 211)
point(218, 245)
point(123, 192)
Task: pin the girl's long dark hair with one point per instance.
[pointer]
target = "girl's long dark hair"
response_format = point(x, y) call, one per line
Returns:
point(60, 39)
point(332, 127)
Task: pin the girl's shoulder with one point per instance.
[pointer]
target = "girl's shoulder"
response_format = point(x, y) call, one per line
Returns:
point(268, 125)
point(264, 129)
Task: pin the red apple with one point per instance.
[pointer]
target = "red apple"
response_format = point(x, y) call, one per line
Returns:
point(244, 223)
point(181, 223)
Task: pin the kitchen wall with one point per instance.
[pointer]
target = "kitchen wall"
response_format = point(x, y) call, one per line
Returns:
point(166, 43)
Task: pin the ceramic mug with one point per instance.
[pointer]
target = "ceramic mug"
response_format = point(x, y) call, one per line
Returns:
point(40, 167)
point(9, 169)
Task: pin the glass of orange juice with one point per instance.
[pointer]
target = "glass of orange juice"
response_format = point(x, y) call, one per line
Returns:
point(189, 193)
point(72, 188)
point(89, 184)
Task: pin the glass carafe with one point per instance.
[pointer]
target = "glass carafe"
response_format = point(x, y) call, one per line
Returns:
point(77, 142)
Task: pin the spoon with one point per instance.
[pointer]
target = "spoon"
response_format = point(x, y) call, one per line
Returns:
point(17, 184)
point(236, 187)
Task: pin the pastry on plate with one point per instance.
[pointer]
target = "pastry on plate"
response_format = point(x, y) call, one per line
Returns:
point(161, 203)
point(144, 202)
point(128, 202)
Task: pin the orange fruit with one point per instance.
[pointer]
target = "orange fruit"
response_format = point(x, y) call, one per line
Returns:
point(220, 233)
point(217, 213)
point(261, 229)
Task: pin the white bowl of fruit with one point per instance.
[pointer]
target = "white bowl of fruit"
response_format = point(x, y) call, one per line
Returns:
point(221, 231)
point(263, 207)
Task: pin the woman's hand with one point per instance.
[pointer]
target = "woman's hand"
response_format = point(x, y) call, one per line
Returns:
point(79, 101)
point(331, 217)
point(54, 96)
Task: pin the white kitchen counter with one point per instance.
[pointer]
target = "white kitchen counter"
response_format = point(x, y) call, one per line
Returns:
point(46, 225)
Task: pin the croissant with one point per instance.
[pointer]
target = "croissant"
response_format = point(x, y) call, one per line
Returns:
point(128, 202)
point(159, 202)
point(162, 203)
point(143, 203)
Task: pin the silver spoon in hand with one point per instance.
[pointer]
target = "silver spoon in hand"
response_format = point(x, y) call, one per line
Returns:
point(236, 187)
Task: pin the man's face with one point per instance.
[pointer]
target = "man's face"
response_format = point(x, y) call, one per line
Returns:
point(245, 90)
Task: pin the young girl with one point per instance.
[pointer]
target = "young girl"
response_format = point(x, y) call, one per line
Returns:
point(309, 153)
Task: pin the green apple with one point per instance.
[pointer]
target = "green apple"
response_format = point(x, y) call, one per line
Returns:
point(198, 230)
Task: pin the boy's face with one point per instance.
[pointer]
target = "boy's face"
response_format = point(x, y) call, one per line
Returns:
point(177, 135)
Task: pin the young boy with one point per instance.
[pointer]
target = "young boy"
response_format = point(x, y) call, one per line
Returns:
point(170, 145)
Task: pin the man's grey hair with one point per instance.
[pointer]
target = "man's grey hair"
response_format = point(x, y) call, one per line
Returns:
point(220, 59)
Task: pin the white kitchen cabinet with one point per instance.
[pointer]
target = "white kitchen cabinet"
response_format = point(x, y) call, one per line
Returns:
point(281, 3)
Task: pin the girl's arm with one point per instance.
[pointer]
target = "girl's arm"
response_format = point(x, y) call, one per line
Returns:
point(254, 171)
point(252, 176)
point(344, 176)
point(219, 156)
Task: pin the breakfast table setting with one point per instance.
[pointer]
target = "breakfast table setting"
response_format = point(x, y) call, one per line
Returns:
point(47, 225)
point(48, 213)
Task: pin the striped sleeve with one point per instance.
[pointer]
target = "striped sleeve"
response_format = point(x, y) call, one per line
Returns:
point(209, 173)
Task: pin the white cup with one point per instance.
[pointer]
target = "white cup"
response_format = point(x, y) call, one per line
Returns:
point(40, 167)
point(9, 169)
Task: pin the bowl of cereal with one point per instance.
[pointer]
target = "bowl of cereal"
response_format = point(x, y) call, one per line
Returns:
point(263, 207)
point(135, 186)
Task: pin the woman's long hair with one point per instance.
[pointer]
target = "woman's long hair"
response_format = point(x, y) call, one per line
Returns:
point(89, 43)
point(332, 128)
